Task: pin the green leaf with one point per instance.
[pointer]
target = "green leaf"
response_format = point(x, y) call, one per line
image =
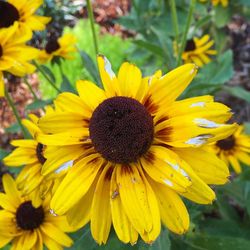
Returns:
point(38, 104)
point(91, 67)
point(3, 153)
point(13, 128)
point(66, 86)
point(48, 72)
point(208, 242)
point(222, 16)
point(238, 92)
point(150, 47)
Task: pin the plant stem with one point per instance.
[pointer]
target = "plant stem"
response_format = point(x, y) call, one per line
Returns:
point(30, 88)
point(18, 118)
point(175, 23)
point(46, 76)
point(92, 21)
point(184, 37)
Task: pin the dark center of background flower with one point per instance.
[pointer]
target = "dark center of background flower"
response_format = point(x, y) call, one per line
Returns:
point(190, 45)
point(121, 129)
point(8, 14)
point(39, 153)
point(52, 45)
point(29, 217)
point(226, 144)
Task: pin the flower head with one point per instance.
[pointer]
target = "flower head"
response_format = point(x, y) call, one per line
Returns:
point(28, 226)
point(31, 154)
point(127, 172)
point(22, 12)
point(234, 149)
point(58, 47)
point(198, 51)
point(224, 3)
point(14, 54)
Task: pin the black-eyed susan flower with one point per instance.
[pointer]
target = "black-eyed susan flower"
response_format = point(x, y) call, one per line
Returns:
point(234, 149)
point(26, 226)
point(61, 47)
point(128, 174)
point(22, 12)
point(14, 54)
point(30, 154)
point(198, 50)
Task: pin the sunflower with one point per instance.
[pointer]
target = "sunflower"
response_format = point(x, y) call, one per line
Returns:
point(27, 226)
point(198, 50)
point(22, 12)
point(233, 149)
point(62, 47)
point(30, 152)
point(14, 54)
point(128, 174)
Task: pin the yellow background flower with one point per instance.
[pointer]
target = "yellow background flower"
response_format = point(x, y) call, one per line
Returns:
point(27, 226)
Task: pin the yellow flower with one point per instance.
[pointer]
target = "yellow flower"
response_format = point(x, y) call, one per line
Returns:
point(128, 173)
point(198, 50)
point(14, 54)
point(61, 47)
point(27, 226)
point(23, 12)
point(31, 153)
point(233, 149)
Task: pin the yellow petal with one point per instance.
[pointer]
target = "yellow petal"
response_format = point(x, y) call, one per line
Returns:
point(123, 227)
point(100, 223)
point(129, 78)
point(108, 77)
point(174, 214)
point(235, 164)
point(134, 198)
point(77, 181)
point(206, 165)
point(56, 234)
point(1, 85)
point(90, 94)
point(164, 91)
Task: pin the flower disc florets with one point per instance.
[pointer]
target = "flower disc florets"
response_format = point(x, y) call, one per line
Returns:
point(29, 217)
point(8, 13)
point(121, 129)
point(226, 144)
point(51, 46)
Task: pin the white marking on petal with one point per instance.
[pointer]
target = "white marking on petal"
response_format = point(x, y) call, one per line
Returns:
point(64, 166)
point(53, 212)
point(198, 140)
point(176, 167)
point(198, 104)
point(168, 182)
point(108, 68)
point(204, 123)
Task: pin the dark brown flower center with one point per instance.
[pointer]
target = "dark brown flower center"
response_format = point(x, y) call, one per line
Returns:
point(39, 153)
point(52, 45)
point(29, 217)
point(8, 14)
point(190, 45)
point(121, 129)
point(226, 144)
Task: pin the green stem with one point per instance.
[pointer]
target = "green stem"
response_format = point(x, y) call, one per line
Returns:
point(175, 23)
point(46, 76)
point(92, 21)
point(184, 37)
point(30, 88)
point(18, 118)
